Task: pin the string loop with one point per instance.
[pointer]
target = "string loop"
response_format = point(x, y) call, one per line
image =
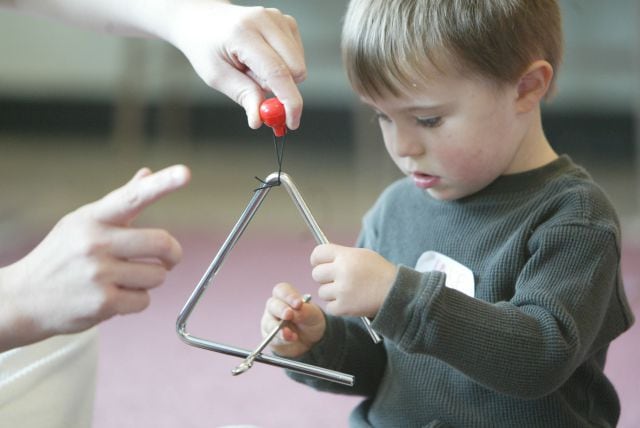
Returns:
point(278, 145)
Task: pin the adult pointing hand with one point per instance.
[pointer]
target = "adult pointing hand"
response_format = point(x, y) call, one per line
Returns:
point(91, 266)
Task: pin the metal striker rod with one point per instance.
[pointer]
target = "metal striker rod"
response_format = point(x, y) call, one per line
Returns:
point(248, 362)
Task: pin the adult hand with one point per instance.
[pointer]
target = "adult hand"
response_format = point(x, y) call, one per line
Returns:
point(91, 266)
point(244, 52)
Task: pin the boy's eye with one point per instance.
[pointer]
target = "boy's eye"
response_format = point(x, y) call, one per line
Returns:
point(429, 122)
point(381, 117)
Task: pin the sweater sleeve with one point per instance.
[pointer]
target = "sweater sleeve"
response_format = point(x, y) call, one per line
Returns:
point(566, 306)
point(346, 347)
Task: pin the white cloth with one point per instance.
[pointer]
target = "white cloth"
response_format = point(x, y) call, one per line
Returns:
point(50, 384)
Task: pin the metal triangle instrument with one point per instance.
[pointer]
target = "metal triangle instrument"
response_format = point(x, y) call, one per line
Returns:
point(181, 324)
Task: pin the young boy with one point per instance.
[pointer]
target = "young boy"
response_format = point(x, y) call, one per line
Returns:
point(493, 270)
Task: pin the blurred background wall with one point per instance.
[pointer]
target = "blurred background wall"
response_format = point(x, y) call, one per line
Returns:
point(65, 89)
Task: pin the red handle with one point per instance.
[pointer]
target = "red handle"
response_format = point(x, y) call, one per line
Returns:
point(273, 115)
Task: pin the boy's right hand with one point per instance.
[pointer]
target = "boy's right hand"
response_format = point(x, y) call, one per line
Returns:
point(306, 324)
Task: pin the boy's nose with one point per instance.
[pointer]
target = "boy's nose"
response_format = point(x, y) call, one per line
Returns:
point(408, 147)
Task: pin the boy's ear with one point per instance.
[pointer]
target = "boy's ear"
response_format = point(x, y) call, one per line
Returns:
point(533, 85)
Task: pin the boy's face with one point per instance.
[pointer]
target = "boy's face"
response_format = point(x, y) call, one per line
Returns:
point(454, 135)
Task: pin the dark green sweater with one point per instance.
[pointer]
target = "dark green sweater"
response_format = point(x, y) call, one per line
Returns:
point(529, 349)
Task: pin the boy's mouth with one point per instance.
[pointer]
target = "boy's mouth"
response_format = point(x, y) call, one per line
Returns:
point(425, 181)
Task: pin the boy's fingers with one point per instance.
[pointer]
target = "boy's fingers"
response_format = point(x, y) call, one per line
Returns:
point(269, 321)
point(333, 307)
point(123, 204)
point(323, 253)
point(144, 244)
point(279, 309)
point(323, 273)
point(327, 293)
point(288, 335)
point(288, 294)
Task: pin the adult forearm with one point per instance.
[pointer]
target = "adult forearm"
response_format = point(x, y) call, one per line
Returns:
point(123, 17)
point(66, 286)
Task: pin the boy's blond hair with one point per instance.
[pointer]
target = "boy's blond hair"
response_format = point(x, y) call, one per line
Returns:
point(385, 43)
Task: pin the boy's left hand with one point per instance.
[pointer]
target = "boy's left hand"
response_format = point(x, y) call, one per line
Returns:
point(355, 281)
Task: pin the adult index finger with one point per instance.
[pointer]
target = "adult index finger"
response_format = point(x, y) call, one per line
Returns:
point(123, 204)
